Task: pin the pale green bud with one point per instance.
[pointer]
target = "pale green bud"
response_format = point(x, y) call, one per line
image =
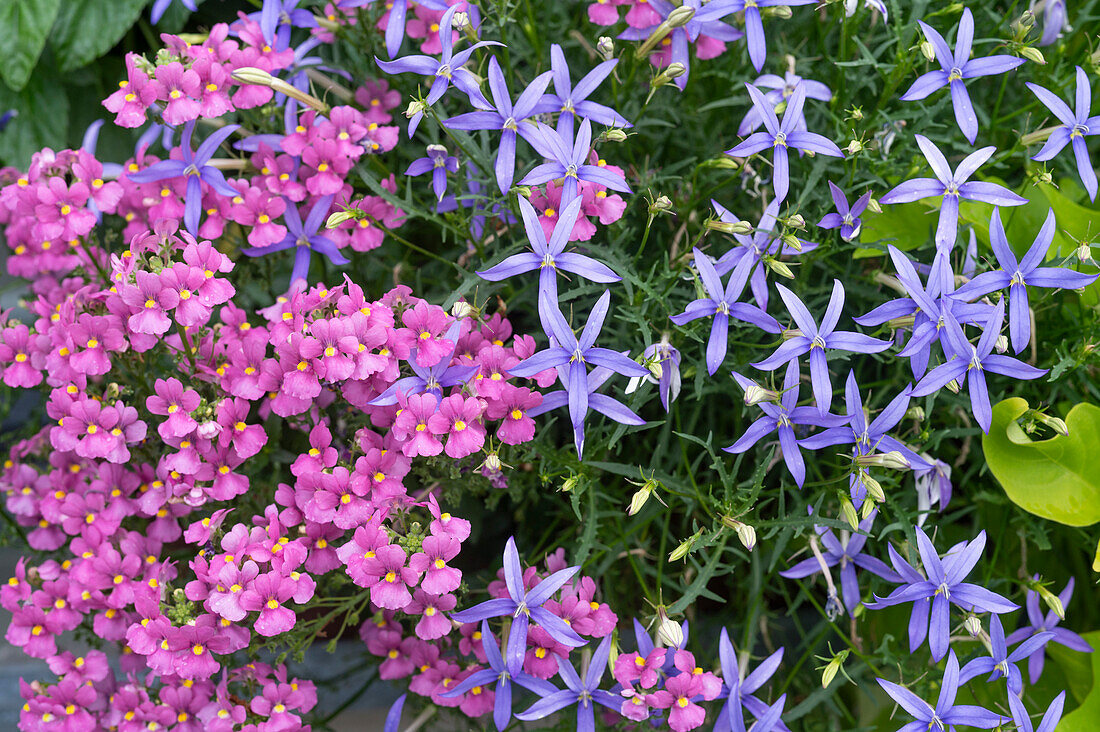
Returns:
point(416, 107)
point(849, 512)
point(679, 17)
point(606, 48)
point(1052, 601)
point(892, 459)
point(756, 394)
point(953, 386)
point(792, 241)
point(614, 135)
point(672, 71)
point(928, 51)
point(854, 147)
point(782, 12)
point(338, 218)
point(873, 206)
point(973, 625)
point(252, 75)
point(570, 483)
point(740, 227)
point(463, 309)
point(832, 668)
point(1033, 54)
point(915, 412)
point(778, 267)
point(796, 222)
point(659, 205)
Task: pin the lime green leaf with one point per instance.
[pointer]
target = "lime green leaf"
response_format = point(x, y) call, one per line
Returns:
point(1083, 718)
point(1056, 478)
point(24, 25)
point(906, 226)
point(87, 29)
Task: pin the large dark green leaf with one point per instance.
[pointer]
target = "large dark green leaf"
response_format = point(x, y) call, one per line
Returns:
point(42, 120)
point(87, 29)
point(24, 26)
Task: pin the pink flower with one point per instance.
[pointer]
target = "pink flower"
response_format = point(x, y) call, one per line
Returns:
point(259, 210)
point(446, 525)
point(433, 623)
point(459, 418)
point(150, 300)
point(133, 97)
point(543, 652)
point(171, 399)
point(267, 594)
point(439, 578)
point(677, 696)
point(428, 324)
point(181, 89)
point(412, 425)
point(391, 578)
point(512, 407)
point(631, 667)
point(25, 356)
point(377, 99)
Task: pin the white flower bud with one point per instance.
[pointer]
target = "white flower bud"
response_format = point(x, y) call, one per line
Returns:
point(973, 625)
point(679, 17)
point(338, 218)
point(669, 632)
point(463, 309)
point(606, 48)
point(756, 394)
point(1033, 54)
point(928, 51)
point(252, 75)
point(460, 21)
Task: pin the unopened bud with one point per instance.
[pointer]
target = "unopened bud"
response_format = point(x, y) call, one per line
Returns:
point(570, 483)
point(1034, 138)
point(915, 412)
point(252, 75)
point(680, 16)
point(953, 386)
point(756, 394)
point(892, 459)
point(738, 227)
point(745, 533)
point(523, 191)
point(867, 509)
point(463, 309)
point(1053, 602)
point(672, 71)
point(460, 21)
point(682, 550)
point(874, 488)
point(855, 114)
point(832, 667)
point(415, 107)
point(780, 268)
point(638, 500)
point(902, 323)
point(208, 430)
point(669, 632)
point(782, 12)
point(1083, 253)
point(973, 625)
point(492, 462)
point(792, 241)
point(1027, 20)
point(659, 205)
point(927, 50)
point(873, 206)
point(606, 48)
point(1001, 344)
point(854, 147)
point(614, 135)
point(1054, 423)
point(796, 222)
point(726, 162)
point(849, 512)
point(1033, 54)
point(338, 218)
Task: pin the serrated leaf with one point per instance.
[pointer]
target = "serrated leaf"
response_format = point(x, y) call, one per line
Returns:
point(87, 29)
point(1056, 478)
point(42, 119)
point(24, 26)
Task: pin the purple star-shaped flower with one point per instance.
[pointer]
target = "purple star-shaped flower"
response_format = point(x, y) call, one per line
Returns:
point(525, 606)
point(1017, 277)
point(506, 118)
point(957, 67)
point(304, 237)
point(722, 304)
point(780, 136)
point(194, 166)
point(1076, 126)
point(1055, 19)
point(814, 340)
point(432, 379)
point(970, 362)
point(574, 353)
point(585, 694)
point(1038, 623)
point(780, 89)
point(846, 219)
point(448, 69)
point(943, 587)
point(277, 17)
point(568, 159)
point(504, 672)
point(438, 162)
point(664, 362)
point(847, 551)
point(1002, 663)
point(946, 714)
point(952, 186)
point(550, 256)
point(738, 690)
point(781, 417)
point(571, 102)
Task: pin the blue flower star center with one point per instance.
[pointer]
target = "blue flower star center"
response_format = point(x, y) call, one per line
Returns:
point(751, 4)
point(510, 124)
point(951, 189)
point(724, 308)
point(577, 356)
point(817, 342)
point(847, 219)
point(302, 242)
point(444, 71)
point(783, 421)
point(781, 139)
point(521, 609)
point(548, 261)
point(944, 590)
point(1017, 279)
point(935, 723)
point(955, 74)
point(1079, 130)
point(571, 171)
point(567, 106)
point(431, 384)
point(191, 170)
point(439, 162)
point(975, 362)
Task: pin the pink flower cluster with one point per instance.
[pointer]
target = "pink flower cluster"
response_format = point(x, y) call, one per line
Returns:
point(599, 204)
point(650, 682)
point(433, 668)
point(190, 81)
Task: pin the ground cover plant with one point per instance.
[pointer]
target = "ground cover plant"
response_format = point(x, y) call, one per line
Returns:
point(602, 365)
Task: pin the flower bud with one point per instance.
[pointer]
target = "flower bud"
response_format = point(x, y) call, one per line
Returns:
point(252, 75)
point(778, 267)
point(796, 222)
point(1033, 54)
point(1083, 253)
point(756, 394)
point(680, 16)
point(459, 21)
point(659, 205)
point(613, 135)
point(638, 500)
point(415, 107)
point(873, 207)
point(1096, 558)
point(874, 488)
point(854, 147)
point(792, 241)
point(669, 632)
point(1058, 425)
point(849, 512)
point(682, 550)
point(745, 533)
point(892, 459)
point(726, 162)
point(570, 483)
point(672, 71)
point(973, 625)
point(1001, 345)
point(1027, 20)
point(606, 48)
point(463, 309)
point(338, 218)
point(209, 429)
point(782, 12)
point(524, 191)
point(1053, 602)
point(928, 51)
point(492, 462)
point(953, 386)
point(739, 227)
point(855, 114)
point(1034, 138)
point(867, 509)
point(832, 667)
point(915, 412)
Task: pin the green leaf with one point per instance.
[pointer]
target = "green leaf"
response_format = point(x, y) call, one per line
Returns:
point(1083, 718)
point(906, 226)
point(1056, 478)
point(87, 29)
point(42, 119)
point(24, 25)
